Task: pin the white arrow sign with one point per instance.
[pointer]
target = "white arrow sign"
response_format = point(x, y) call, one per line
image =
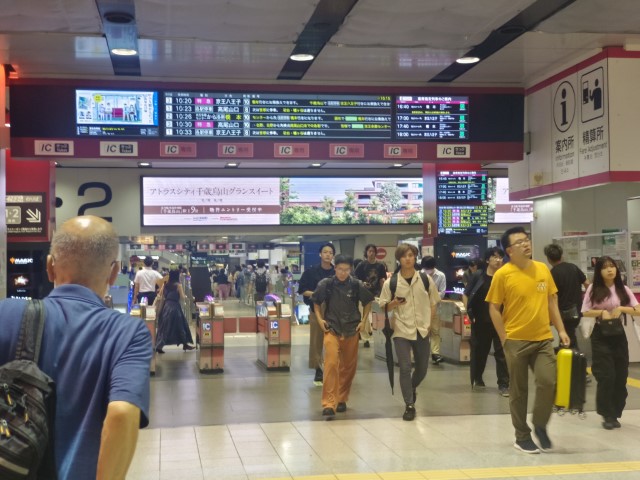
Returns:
point(33, 216)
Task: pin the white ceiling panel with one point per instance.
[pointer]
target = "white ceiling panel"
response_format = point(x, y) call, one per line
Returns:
point(263, 21)
point(437, 24)
point(78, 16)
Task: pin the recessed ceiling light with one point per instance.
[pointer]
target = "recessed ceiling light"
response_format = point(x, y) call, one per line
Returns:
point(232, 165)
point(301, 57)
point(125, 52)
point(316, 165)
point(144, 164)
point(398, 165)
point(466, 60)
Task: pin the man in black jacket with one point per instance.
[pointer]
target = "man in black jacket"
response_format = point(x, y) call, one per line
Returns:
point(308, 283)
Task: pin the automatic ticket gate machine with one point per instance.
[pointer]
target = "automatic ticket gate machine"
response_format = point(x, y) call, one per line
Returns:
point(210, 337)
point(274, 335)
point(455, 331)
point(148, 314)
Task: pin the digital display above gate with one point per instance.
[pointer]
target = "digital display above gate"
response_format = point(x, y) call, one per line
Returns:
point(462, 186)
point(272, 115)
point(435, 117)
point(462, 219)
point(116, 113)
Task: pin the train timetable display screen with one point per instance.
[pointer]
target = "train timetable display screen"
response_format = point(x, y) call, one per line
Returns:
point(462, 220)
point(462, 186)
point(432, 117)
point(117, 113)
point(271, 115)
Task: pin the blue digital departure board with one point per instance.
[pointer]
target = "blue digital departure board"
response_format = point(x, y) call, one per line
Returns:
point(432, 117)
point(463, 219)
point(273, 115)
point(462, 186)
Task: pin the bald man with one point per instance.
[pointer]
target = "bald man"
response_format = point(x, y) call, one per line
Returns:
point(99, 358)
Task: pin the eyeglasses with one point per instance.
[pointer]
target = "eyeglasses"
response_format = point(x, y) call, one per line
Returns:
point(519, 243)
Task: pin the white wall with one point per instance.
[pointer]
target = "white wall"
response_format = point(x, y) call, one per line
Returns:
point(547, 223)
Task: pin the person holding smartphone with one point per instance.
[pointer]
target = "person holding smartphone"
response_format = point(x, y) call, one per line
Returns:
point(414, 307)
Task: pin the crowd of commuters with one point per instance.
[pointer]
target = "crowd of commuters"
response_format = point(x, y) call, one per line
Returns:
point(512, 306)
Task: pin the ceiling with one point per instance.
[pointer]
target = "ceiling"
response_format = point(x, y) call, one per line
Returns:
point(362, 42)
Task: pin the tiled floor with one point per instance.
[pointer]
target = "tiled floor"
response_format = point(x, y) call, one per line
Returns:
point(248, 423)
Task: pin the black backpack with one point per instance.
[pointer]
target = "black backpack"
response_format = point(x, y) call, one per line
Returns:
point(27, 406)
point(393, 284)
point(262, 282)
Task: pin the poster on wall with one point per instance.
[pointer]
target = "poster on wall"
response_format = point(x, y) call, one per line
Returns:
point(176, 201)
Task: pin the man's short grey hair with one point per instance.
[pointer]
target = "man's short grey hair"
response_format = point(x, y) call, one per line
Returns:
point(96, 251)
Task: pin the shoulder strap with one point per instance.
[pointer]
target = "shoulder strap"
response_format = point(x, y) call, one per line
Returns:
point(479, 281)
point(393, 284)
point(425, 281)
point(31, 329)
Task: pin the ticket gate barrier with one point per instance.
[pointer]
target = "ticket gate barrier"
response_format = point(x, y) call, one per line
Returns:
point(455, 331)
point(210, 337)
point(274, 335)
point(148, 314)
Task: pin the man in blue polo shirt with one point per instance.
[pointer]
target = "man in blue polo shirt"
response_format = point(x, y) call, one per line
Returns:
point(98, 358)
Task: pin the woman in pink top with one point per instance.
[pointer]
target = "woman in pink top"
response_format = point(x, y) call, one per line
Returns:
point(608, 298)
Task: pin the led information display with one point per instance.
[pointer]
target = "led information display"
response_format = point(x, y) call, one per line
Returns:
point(432, 117)
point(258, 115)
point(465, 186)
point(463, 219)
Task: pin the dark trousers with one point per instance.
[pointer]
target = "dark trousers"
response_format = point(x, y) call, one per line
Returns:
point(483, 334)
point(610, 366)
point(420, 347)
point(538, 356)
point(151, 296)
point(570, 326)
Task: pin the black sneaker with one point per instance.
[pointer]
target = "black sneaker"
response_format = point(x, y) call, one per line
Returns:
point(367, 344)
point(318, 378)
point(478, 386)
point(609, 423)
point(342, 407)
point(437, 359)
point(543, 439)
point(616, 423)
point(526, 446)
point(504, 391)
point(328, 412)
point(409, 413)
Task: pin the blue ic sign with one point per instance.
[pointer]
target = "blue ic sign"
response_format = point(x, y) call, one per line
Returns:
point(274, 325)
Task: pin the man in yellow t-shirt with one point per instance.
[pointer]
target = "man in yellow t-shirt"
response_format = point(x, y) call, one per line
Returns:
point(522, 303)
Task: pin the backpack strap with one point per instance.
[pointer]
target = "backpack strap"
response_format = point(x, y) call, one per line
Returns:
point(393, 283)
point(31, 330)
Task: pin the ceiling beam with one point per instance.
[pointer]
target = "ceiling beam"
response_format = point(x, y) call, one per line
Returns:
point(323, 24)
point(525, 21)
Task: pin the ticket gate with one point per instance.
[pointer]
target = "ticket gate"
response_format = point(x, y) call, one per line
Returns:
point(210, 337)
point(148, 314)
point(274, 336)
point(455, 331)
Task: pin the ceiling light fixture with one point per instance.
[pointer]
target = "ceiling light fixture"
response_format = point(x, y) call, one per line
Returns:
point(316, 165)
point(232, 165)
point(124, 52)
point(467, 60)
point(144, 164)
point(301, 57)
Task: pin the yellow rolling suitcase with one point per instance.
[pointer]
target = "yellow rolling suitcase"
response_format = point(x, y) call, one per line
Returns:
point(571, 382)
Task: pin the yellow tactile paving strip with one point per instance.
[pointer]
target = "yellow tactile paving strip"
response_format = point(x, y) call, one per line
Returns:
point(498, 472)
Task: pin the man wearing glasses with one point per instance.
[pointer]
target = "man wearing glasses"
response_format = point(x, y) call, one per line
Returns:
point(336, 302)
point(523, 302)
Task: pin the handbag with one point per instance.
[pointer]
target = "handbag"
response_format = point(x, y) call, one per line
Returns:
point(613, 327)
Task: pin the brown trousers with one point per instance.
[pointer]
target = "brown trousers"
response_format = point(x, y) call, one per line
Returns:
point(340, 362)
